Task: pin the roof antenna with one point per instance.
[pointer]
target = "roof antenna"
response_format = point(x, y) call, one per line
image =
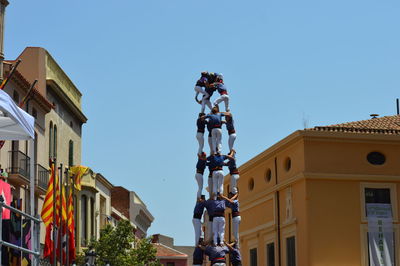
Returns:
point(373, 115)
point(398, 108)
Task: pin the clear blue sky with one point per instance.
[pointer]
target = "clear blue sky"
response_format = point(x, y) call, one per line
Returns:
point(136, 62)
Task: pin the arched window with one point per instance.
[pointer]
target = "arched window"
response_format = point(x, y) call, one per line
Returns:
point(51, 140)
point(92, 233)
point(71, 153)
point(83, 219)
point(55, 142)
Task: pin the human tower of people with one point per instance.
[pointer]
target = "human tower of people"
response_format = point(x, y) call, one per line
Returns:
point(213, 243)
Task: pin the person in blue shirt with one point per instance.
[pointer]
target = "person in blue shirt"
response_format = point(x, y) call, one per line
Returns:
point(223, 91)
point(198, 254)
point(216, 254)
point(208, 204)
point(201, 126)
point(214, 120)
point(218, 207)
point(200, 167)
point(216, 163)
point(231, 130)
point(233, 171)
point(201, 88)
point(197, 214)
point(234, 254)
point(233, 203)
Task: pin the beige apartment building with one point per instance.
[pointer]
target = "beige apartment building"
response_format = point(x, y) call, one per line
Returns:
point(312, 198)
point(59, 120)
point(14, 159)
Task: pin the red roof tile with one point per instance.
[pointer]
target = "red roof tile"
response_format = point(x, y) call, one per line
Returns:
point(379, 125)
point(164, 251)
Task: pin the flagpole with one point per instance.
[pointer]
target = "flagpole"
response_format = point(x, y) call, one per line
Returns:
point(53, 169)
point(60, 233)
point(67, 226)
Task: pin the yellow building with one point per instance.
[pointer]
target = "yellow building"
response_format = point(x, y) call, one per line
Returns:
point(304, 200)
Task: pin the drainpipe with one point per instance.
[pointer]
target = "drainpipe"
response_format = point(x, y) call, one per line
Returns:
point(278, 222)
point(3, 4)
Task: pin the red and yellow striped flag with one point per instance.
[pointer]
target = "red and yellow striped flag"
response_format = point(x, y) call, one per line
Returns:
point(47, 210)
point(77, 172)
point(71, 227)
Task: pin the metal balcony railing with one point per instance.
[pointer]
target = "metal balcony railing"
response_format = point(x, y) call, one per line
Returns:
point(19, 164)
point(42, 176)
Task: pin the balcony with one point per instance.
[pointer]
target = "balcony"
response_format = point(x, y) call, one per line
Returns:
point(19, 167)
point(41, 177)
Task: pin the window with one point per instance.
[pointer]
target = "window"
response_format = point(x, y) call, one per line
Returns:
point(16, 97)
point(55, 142)
point(268, 175)
point(288, 164)
point(92, 207)
point(377, 195)
point(251, 184)
point(34, 113)
point(290, 251)
point(253, 257)
point(83, 219)
point(51, 140)
point(376, 158)
point(71, 153)
point(271, 254)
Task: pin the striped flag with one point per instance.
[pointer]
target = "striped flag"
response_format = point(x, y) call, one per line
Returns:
point(77, 172)
point(47, 210)
point(71, 227)
point(47, 213)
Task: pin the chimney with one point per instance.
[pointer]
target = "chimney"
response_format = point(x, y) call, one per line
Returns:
point(155, 239)
point(3, 4)
point(374, 115)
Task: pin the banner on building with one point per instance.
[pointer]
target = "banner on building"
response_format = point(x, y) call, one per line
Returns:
point(380, 234)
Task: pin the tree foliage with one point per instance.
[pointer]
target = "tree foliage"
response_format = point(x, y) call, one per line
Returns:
point(119, 247)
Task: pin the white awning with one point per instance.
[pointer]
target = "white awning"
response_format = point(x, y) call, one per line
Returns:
point(15, 123)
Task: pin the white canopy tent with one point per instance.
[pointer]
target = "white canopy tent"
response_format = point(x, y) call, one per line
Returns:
point(16, 124)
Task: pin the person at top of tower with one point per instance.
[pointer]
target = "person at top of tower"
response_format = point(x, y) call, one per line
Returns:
point(222, 90)
point(202, 87)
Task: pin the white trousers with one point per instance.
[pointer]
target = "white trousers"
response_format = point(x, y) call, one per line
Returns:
point(231, 141)
point(199, 90)
point(216, 135)
point(210, 144)
point(233, 185)
point(219, 229)
point(200, 139)
point(205, 101)
point(235, 227)
point(210, 185)
point(225, 99)
point(199, 179)
point(218, 182)
point(209, 230)
point(197, 230)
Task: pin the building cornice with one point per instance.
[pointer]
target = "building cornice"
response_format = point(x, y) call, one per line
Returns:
point(318, 135)
point(64, 97)
point(104, 181)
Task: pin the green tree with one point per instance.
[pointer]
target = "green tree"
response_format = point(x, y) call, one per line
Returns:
point(118, 247)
